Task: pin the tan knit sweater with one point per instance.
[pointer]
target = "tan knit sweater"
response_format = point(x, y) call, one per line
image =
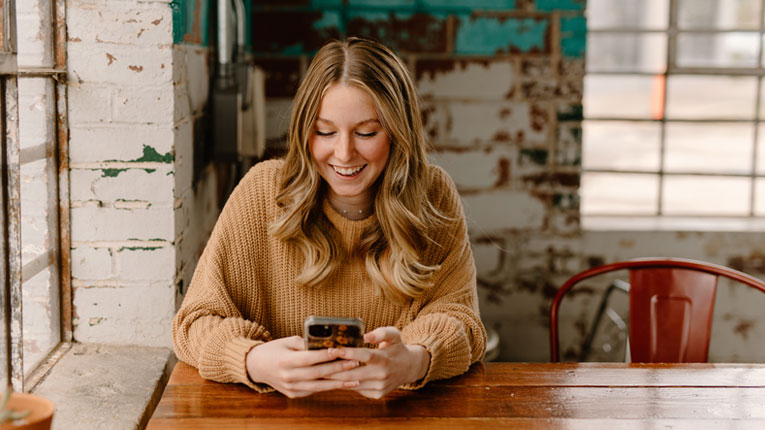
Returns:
point(243, 291)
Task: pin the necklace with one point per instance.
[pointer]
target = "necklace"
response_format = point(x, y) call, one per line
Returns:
point(345, 211)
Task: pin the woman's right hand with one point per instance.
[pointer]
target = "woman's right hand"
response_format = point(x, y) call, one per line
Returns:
point(289, 368)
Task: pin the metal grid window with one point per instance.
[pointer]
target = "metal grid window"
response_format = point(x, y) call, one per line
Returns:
point(673, 134)
point(35, 293)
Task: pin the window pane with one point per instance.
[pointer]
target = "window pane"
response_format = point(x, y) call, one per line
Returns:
point(710, 97)
point(698, 195)
point(621, 145)
point(39, 219)
point(619, 193)
point(759, 198)
point(719, 14)
point(622, 96)
point(713, 148)
point(607, 52)
point(718, 50)
point(627, 13)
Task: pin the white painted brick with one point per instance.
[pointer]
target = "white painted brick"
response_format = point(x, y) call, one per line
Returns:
point(485, 80)
point(91, 263)
point(150, 105)
point(104, 224)
point(499, 121)
point(146, 263)
point(117, 142)
point(89, 104)
point(190, 70)
point(134, 315)
point(119, 22)
point(487, 257)
point(502, 210)
point(184, 155)
point(477, 168)
point(154, 187)
point(118, 64)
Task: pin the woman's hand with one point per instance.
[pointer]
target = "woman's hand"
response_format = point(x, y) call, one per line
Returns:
point(383, 369)
point(289, 368)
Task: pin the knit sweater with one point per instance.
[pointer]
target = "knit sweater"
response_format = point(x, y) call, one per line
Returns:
point(243, 291)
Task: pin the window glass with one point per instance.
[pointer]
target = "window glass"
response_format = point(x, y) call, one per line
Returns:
point(718, 14)
point(759, 197)
point(709, 147)
point(619, 193)
point(705, 195)
point(617, 145)
point(622, 96)
point(710, 97)
point(737, 49)
point(627, 14)
point(626, 52)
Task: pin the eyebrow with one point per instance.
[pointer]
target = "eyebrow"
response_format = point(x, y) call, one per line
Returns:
point(366, 121)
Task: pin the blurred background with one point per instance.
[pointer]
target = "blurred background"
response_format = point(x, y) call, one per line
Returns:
point(578, 133)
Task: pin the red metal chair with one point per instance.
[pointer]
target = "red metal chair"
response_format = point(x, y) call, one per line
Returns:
point(671, 306)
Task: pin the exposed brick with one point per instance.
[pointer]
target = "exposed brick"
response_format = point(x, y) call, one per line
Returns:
point(145, 105)
point(471, 79)
point(491, 35)
point(117, 142)
point(478, 169)
point(402, 32)
point(123, 65)
point(146, 263)
point(568, 149)
point(107, 224)
point(502, 210)
point(122, 22)
point(91, 263)
point(154, 186)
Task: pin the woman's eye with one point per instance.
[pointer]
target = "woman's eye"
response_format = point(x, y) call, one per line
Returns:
point(372, 134)
point(324, 133)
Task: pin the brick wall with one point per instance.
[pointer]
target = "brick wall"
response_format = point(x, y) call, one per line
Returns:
point(138, 221)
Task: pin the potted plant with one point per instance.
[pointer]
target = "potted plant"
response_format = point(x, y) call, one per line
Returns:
point(23, 411)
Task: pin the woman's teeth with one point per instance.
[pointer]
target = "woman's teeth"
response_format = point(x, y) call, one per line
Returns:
point(349, 171)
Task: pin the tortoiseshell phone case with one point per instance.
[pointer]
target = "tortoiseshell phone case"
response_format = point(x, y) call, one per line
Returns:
point(330, 332)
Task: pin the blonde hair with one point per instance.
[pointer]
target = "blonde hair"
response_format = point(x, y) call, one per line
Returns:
point(392, 246)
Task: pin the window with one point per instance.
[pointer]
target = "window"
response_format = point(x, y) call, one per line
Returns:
point(673, 105)
point(32, 88)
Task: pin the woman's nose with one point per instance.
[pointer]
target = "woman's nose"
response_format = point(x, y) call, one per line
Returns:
point(344, 148)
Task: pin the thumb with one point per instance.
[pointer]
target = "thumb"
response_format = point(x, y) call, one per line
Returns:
point(386, 335)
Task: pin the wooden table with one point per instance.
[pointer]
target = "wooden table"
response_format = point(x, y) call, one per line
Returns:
point(495, 396)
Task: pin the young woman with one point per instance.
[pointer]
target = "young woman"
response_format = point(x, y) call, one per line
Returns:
point(354, 222)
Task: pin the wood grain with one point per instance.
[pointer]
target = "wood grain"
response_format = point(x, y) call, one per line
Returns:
point(492, 395)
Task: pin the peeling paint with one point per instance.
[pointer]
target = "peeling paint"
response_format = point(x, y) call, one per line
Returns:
point(137, 69)
point(111, 173)
point(743, 327)
point(111, 58)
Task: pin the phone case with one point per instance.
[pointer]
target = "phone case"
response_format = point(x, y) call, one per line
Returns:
point(331, 332)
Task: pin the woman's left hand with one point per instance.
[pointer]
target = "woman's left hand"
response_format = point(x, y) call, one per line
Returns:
point(386, 368)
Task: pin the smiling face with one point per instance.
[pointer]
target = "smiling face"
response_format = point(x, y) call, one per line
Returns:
point(349, 145)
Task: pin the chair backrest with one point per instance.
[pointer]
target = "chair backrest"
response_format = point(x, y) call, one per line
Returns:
point(671, 306)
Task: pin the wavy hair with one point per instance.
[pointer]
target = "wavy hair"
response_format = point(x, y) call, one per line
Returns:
point(405, 217)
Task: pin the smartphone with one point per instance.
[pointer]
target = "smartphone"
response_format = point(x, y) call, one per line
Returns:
point(332, 332)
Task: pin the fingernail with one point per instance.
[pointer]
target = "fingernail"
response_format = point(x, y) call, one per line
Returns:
point(351, 365)
point(351, 384)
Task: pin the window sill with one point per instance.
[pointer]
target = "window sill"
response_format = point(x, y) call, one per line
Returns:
point(652, 223)
point(98, 386)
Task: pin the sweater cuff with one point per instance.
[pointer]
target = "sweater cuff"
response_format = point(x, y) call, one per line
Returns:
point(235, 361)
point(445, 340)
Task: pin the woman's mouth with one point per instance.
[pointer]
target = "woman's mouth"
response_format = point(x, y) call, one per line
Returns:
point(348, 172)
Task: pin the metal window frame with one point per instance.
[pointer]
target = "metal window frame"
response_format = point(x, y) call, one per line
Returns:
point(11, 158)
point(672, 31)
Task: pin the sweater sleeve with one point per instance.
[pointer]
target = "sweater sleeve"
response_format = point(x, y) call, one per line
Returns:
point(209, 331)
point(448, 323)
